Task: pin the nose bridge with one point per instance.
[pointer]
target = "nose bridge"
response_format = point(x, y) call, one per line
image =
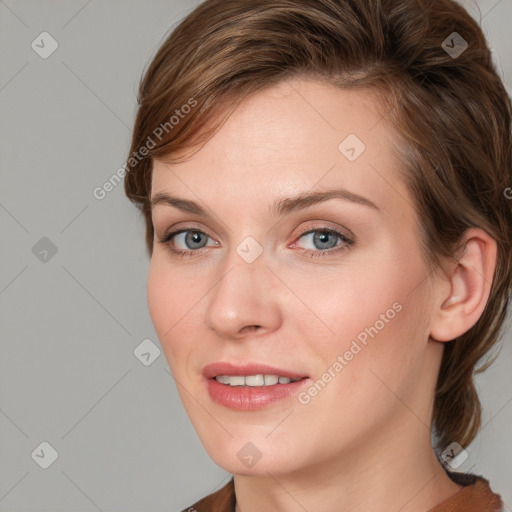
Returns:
point(241, 296)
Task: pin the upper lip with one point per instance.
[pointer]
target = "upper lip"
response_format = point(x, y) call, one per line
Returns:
point(223, 368)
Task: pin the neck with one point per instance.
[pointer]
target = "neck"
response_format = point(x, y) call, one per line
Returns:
point(385, 476)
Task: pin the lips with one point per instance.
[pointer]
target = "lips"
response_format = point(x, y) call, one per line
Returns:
point(247, 397)
point(213, 370)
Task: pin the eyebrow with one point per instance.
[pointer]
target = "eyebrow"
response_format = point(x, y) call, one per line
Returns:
point(279, 207)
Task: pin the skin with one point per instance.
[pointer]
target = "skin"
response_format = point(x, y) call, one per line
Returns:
point(363, 442)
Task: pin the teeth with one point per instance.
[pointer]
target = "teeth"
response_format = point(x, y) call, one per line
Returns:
point(237, 381)
point(270, 380)
point(253, 380)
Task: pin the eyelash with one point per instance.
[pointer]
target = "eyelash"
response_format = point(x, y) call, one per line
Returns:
point(310, 252)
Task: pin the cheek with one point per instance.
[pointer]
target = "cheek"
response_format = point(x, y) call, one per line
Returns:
point(160, 295)
point(168, 297)
point(375, 320)
point(174, 297)
point(358, 295)
point(381, 326)
point(347, 301)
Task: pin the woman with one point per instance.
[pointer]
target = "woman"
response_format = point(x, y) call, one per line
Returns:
point(323, 185)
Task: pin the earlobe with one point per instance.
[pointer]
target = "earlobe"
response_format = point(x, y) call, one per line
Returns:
point(470, 285)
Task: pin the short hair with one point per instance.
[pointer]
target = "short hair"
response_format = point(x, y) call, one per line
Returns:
point(445, 101)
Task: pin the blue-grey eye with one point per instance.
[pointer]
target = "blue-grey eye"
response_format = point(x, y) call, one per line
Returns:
point(322, 239)
point(192, 239)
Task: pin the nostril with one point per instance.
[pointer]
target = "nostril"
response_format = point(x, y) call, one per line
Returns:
point(251, 328)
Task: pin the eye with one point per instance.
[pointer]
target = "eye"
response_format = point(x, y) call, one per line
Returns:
point(193, 240)
point(325, 241)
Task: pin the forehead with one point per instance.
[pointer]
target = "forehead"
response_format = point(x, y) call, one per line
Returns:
point(294, 137)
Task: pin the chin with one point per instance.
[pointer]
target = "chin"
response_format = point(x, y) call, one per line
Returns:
point(241, 456)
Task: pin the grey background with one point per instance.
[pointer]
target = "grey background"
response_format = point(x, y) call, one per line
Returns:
point(70, 324)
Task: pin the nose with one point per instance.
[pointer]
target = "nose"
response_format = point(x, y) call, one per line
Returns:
point(244, 300)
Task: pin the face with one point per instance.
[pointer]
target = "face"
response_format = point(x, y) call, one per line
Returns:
point(331, 291)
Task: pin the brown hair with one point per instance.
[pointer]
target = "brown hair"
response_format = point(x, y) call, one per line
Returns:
point(451, 113)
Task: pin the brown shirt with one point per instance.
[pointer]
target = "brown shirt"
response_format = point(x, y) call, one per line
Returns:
point(475, 496)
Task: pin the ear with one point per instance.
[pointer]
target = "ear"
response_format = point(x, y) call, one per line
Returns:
point(461, 300)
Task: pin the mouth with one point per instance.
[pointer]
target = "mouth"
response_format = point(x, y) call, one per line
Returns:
point(255, 380)
point(251, 386)
point(254, 374)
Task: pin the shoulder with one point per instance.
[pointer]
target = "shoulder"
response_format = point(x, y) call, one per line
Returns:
point(475, 495)
point(222, 500)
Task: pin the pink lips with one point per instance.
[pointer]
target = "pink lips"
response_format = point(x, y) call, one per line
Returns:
point(214, 369)
point(250, 397)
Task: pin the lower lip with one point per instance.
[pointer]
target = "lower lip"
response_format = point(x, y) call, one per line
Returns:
point(252, 397)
